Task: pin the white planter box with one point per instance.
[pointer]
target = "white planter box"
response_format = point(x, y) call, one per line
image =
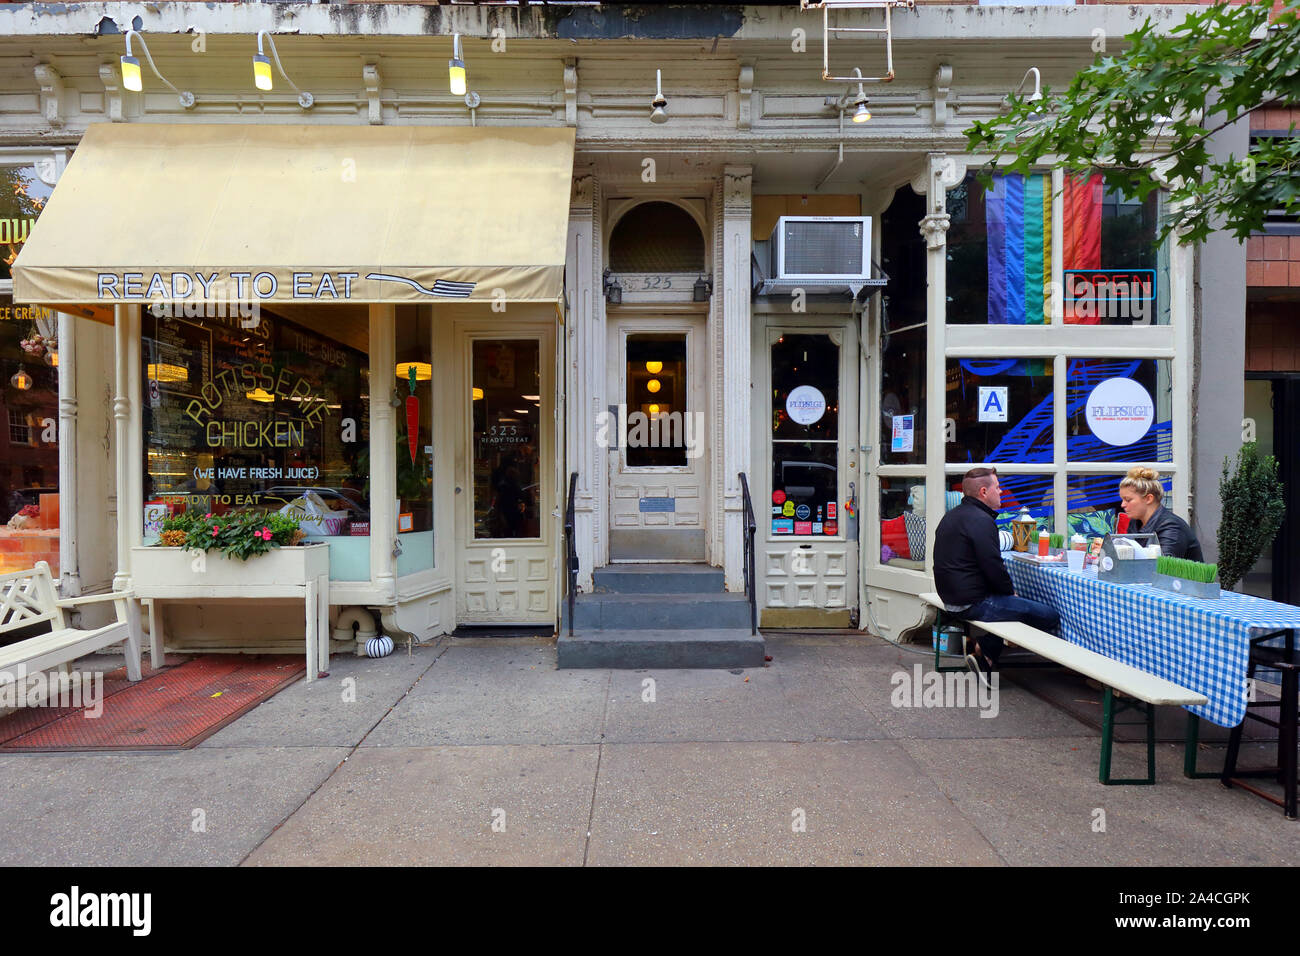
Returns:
point(174, 572)
point(301, 572)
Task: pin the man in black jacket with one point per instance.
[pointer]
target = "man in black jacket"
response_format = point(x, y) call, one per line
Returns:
point(968, 570)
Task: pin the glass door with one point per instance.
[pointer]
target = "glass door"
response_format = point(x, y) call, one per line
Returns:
point(808, 562)
point(505, 569)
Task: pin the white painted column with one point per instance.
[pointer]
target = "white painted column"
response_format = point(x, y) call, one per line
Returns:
point(127, 438)
point(383, 456)
point(732, 365)
point(1182, 308)
point(942, 173)
point(69, 570)
point(585, 376)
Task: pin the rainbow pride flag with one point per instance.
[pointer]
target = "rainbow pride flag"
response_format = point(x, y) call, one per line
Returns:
point(1081, 232)
point(1018, 222)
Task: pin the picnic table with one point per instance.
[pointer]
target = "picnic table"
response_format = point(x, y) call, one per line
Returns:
point(1198, 643)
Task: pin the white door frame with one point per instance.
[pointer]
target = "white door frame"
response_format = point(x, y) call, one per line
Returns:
point(523, 569)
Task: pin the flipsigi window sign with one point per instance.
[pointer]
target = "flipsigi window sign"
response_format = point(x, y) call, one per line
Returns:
point(1120, 411)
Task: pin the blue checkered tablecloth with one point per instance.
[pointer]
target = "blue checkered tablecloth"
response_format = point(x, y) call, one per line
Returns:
point(1197, 643)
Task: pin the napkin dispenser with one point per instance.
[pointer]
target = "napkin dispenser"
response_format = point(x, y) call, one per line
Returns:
point(1129, 558)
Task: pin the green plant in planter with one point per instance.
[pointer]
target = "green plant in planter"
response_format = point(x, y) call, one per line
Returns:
point(1253, 509)
point(240, 535)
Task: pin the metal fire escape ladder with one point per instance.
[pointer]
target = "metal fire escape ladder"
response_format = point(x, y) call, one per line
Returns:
point(826, 6)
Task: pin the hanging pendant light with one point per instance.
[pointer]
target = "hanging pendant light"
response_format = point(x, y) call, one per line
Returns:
point(21, 380)
point(456, 68)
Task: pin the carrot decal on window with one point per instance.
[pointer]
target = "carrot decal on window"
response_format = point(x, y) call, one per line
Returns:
point(412, 415)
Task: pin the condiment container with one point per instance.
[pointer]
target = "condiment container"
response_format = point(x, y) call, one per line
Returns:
point(1043, 540)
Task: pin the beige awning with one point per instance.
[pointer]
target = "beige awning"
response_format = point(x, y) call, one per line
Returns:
point(306, 214)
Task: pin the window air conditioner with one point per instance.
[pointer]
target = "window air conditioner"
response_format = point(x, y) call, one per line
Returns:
point(822, 248)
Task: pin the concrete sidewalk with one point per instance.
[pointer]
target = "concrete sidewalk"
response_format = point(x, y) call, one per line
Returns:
point(481, 752)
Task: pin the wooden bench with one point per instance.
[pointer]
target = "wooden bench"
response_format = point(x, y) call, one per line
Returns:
point(28, 601)
point(1144, 691)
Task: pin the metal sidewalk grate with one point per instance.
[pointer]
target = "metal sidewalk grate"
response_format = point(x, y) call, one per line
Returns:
point(171, 709)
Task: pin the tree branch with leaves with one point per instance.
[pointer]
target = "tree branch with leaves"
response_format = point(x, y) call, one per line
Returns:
point(1144, 118)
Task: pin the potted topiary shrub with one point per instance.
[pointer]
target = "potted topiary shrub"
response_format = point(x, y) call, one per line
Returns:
point(1253, 509)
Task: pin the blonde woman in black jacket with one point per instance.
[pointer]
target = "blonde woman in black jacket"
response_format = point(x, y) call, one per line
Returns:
point(1140, 493)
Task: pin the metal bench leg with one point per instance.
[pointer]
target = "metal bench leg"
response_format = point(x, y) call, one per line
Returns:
point(1151, 742)
point(1107, 735)
point(1109, 710)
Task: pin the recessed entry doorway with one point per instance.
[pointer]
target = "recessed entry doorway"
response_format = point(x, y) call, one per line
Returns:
point(658, 446)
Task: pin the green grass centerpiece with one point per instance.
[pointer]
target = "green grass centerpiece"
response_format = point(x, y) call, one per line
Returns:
point(1192, 578)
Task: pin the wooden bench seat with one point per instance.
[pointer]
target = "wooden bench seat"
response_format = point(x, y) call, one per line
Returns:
point(1140, 686)
point(28, 599)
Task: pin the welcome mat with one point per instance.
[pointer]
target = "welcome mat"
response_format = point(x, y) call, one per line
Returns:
point(170, 709)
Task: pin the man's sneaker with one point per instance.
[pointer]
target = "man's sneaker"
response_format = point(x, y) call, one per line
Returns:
point(979, 665)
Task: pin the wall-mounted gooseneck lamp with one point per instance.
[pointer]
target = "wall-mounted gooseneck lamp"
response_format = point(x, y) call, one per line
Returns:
point(1035, 96)
point(456, 68)
point(613, 291)
point(659, 105)
point(262, 71)
point(860, 112)
point(132, 80)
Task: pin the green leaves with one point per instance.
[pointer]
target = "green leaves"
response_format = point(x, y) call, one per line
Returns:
point(1253, 509)
point(239, 535)
point(1209, 71)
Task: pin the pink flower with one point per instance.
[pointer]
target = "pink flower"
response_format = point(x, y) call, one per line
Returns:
point(264, 534)
point(215, 529)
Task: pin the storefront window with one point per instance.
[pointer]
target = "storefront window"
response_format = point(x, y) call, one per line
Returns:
point(507, 433)
point(1119, 410)
point(999, 410)
point(903, 514)
point(805, 435)
point(1000, 253)
point(999, 250)
point(1115, 272)
point(657, 413)
point(412, 385)
point(1022, 491)
point(260, 413)
point(903, 334)
point(22, 197)
point(29, 437)
point(1095, 503)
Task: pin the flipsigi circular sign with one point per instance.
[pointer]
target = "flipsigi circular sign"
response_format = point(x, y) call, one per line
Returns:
point(805, 405)
point(1120, 411)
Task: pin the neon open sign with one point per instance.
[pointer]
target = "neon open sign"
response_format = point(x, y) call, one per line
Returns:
point(1110, 293)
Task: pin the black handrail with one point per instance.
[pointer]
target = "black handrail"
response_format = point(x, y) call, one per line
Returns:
point(751, 526)
point(571, 547)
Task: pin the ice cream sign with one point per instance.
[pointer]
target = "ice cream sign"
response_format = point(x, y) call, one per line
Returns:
point(1120, 411)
